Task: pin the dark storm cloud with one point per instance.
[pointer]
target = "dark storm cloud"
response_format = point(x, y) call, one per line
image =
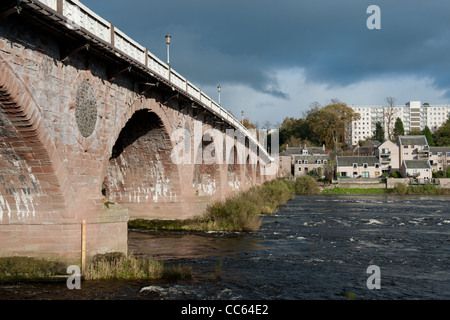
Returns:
point(243, 41)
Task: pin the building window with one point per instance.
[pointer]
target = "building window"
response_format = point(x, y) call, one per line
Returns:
point(365, 165)
point(299, 161)
point(355, 165)
point(324, 161)
point(318, 162)
point(305, 161)
point(405, 153)
point(377, 165)
point(299, 168)
point(365, 175)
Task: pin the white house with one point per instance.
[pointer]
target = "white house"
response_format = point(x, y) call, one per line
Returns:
point(358, 167)
point(420, 169)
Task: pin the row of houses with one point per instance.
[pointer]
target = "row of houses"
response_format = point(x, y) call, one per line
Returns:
point(303, 160)
point(411, 156)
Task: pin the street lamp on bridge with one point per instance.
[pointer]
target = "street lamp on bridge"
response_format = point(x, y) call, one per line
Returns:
point(218, 88)
point(168, 37)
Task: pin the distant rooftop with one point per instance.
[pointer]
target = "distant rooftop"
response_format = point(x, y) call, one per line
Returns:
point(435, 150)
point(412, 140)
point(417, 164)
point(299, 150)
point(348, 161)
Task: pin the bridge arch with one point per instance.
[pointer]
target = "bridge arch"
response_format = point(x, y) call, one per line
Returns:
point(140, 174)
point(29, 160)
point(207, 180)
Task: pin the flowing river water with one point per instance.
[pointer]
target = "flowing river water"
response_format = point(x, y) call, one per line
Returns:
point(315, 247)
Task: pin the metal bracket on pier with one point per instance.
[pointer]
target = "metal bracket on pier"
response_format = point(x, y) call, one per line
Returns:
point(174, 96)
point(18, 8)
point(74, 52)
point(148, 86)
point(113, 78)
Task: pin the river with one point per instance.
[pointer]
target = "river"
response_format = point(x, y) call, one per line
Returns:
point(315, 247)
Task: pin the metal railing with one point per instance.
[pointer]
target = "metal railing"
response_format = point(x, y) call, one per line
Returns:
point(78, 17)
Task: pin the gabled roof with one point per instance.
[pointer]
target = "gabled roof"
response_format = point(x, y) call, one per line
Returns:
point(412, 140)
point(416, 164)
point(435, 150)
point(348, 161)
point(299, 150)
point(387, 142)
point(311, 158)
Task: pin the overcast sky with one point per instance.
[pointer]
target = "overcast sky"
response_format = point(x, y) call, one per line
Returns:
point(274, 58)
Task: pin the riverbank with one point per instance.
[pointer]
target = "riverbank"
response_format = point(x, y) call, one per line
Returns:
point(241, 212)
point(102, 267)
point(400, 189)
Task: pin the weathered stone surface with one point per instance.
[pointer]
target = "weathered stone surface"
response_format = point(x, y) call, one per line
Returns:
point(70, 141)
point(86, 109)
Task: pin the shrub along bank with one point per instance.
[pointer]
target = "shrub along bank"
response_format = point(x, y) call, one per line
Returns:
point(240, 212)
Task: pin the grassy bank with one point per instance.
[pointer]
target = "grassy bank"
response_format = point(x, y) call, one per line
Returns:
point(418, 190)
point(400, 189)
point(14, 269)
point(119, 266)
point(362, 191)
point(108, 266)
point(240, 212)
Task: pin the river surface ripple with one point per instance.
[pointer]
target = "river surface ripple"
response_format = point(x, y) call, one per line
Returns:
point(315, 247)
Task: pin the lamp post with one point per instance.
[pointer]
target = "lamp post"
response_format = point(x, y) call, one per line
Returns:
point(242, 114)
point(218, 88)
point(168, 37)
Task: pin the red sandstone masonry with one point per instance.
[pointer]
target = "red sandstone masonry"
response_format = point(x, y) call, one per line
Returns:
point(40, 103)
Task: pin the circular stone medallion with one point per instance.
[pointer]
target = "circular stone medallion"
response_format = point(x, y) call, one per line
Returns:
point(86, 109)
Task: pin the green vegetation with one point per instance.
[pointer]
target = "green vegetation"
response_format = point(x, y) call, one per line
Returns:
point(14, 269)
point(107, 266)
point(399, 129)
point(442, 174)
point(168, 225)
point(442, 135)
point(368, 191)
point(379, 132)
point(427, 133)
point(240, 212)
point(428, 189)
point(119, 266)
point(321, 125)
point(306, 185)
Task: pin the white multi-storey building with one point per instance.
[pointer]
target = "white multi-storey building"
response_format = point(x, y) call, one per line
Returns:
point(413, 114)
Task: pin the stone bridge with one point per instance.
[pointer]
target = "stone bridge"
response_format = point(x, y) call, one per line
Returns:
point(93, 127)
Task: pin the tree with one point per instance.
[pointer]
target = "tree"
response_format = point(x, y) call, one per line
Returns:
point(399, 130)
point(330, 123)
point(415, 133)
point(379, 133)
point(427, 133)
point(294, 129)
point(247, 124)
point(442, 135)
point(389, 113)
